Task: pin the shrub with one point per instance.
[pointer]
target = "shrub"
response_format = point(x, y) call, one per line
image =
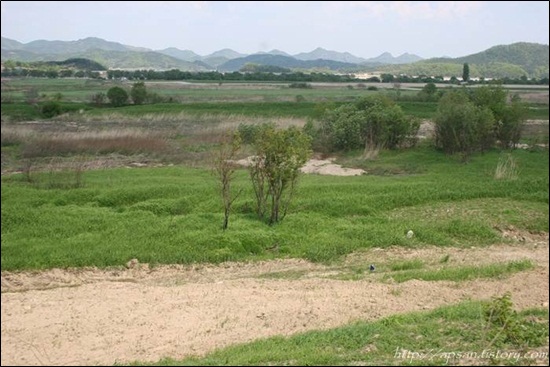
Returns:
point(373, 122)
point(117, 96)
point(462, 127)
point(300, 98)
point(301, 85)
point(51, 109)
point(249, 132)
point(139, 93)
point(98, 98)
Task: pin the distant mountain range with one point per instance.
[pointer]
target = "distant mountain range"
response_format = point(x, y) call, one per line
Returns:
point(513, 60)
point(117, 55)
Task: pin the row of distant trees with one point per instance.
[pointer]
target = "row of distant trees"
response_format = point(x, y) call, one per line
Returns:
point(118, 96)
point(176, 74)
point(467, 121)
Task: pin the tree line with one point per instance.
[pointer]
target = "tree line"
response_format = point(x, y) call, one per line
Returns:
point(295, 76)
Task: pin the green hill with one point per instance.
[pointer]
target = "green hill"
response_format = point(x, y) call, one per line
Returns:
point(110, 59)
point(531, 59)
point(66, 47)
point(9, 44)
point(283, 62)
point(78, 63)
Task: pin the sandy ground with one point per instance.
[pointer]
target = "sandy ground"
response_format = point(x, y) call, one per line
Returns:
point(93, 316)
point(316, 166)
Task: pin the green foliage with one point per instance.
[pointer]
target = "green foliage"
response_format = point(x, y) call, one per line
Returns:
point(300, 85)
point(342, 126)
point(506, 61)
point(248, 132)
point(169, 215)
point(508, 129)
point(428, 92)
point(387, 78)
point(465, 72)
point(461, 126)
point(117, 96)
point(224, 168)
point(98, 98)
point(51, 109)
point(509, 117)
point(138, 93)
point(529, 56)
point(505, 326)
point(259, 68)
point(372, 122)
point(275, 168)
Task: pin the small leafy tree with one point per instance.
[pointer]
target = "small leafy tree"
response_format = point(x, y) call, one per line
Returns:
point(428, 92)
point(224, 168)
point(117, 96)
point(98, 98)
point(138, 93)
point(57, 97)
point(51, 109)
point(509, 117)
point(466, 72)
point(508, 129)
point(461, 126)
point(373, 123)
point(275, 169)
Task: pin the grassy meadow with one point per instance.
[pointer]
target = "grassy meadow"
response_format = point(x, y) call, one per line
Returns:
point(174, 214)
point(260, 99)
point(59, 213)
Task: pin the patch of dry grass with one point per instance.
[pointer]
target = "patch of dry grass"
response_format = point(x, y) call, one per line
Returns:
point(101, 142)
point(507, 168)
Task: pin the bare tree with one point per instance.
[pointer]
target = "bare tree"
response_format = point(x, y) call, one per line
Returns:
point(224, 168)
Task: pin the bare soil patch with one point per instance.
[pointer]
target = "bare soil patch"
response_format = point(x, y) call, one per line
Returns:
point(93, 316)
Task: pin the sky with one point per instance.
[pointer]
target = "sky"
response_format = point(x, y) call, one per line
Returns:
point(363, 28)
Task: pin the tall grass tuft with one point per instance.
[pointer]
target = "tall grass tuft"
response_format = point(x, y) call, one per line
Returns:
point(507, 168)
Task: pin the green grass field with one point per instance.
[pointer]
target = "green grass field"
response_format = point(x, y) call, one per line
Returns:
point(422, 110)
point(248, 99)
point(174, 214)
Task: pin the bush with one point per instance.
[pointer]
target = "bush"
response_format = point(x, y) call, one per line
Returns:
point(139, 93)
point(300, 98)
point(51, 109)
point(98, 98)
point(117, 96)
point(301, 85)
point(249, 132)
point(373, 122)
point(461, 126)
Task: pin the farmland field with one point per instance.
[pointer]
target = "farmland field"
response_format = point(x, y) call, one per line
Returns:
point(87, 191)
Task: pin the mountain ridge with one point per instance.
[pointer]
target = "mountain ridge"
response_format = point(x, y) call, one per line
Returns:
point(513, 60)
point(86, 44)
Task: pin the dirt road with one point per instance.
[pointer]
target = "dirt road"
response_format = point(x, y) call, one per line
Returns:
point(92, 316)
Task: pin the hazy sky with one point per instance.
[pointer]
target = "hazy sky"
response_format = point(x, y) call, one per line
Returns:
point(363, 28)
